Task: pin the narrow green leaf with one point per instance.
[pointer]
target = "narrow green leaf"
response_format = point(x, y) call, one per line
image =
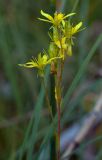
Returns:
point(81, 70)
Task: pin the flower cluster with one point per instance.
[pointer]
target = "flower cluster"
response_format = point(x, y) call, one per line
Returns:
point(61, 35)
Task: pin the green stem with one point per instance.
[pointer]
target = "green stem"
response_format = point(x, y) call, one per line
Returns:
point(47, 98)
point(53, 107)
point(59, 113)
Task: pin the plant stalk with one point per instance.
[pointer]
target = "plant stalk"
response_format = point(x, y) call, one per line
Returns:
point(58, 101)
point(58, 149)
point(53, 107)
point(47, 98)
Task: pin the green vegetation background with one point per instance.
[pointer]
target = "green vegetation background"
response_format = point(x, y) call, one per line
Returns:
point(22, 36)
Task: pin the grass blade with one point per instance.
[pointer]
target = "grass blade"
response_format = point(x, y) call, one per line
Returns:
point(81, 70)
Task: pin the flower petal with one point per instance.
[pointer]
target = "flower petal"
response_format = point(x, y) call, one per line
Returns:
point(47, 16)
point(76, 28)
point(51, 59)
point(45, 20)
point(68, 15)
point(30, 64)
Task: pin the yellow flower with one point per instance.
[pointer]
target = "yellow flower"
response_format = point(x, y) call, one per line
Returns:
point(39, 63)
point(76, 28)
point(61, 44)
point(69, 30)
point(57, 19)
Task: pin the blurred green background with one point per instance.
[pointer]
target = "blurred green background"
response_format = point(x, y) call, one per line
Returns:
point(22, 36)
